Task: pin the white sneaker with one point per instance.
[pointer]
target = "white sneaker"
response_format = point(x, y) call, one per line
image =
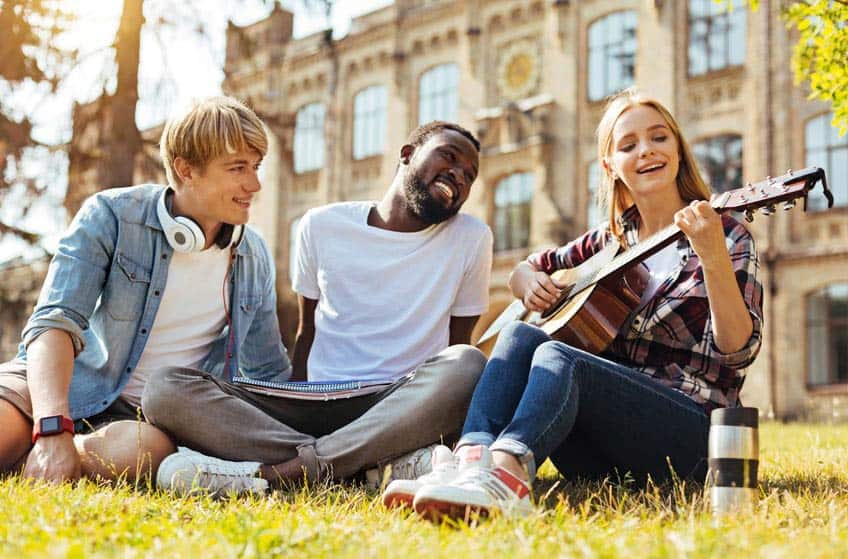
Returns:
point(401, 492)
point(478, 487)
point(409, 466)
point(188, 471)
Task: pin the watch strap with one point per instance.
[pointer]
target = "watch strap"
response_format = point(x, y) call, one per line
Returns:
point(65, 425)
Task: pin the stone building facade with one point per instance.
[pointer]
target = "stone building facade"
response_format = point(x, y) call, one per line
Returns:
point(529, 77)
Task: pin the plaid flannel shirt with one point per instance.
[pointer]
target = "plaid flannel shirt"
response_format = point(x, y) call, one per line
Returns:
point(670, 337)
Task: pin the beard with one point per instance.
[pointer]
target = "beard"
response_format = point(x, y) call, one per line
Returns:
point(422, 203)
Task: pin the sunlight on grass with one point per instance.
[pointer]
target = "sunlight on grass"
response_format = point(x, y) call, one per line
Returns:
point(803, 512)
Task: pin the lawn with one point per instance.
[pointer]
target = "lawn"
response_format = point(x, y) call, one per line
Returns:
point(803, 512)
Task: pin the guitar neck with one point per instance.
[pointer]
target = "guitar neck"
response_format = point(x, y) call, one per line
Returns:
point(636, 253)
point(764, 194)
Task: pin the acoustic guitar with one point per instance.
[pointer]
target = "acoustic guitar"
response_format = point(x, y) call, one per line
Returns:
point(600, 293)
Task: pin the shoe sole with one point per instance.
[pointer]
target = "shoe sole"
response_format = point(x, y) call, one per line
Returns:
point(397, 500)
point(437, 511)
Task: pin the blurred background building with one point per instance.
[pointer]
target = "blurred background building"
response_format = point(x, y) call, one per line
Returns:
point(530, 78)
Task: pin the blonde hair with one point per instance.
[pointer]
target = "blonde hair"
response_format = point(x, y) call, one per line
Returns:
point(612, 194)
point(210, 128)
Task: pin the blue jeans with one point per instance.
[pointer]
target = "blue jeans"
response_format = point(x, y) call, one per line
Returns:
point(539, 398)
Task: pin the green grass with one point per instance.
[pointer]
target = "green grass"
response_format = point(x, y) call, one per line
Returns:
point(803, 512)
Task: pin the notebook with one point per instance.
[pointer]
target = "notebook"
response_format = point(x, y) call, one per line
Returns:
point(325, 390)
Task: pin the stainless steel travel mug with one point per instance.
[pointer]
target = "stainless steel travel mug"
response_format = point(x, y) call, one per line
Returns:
point(733, 459)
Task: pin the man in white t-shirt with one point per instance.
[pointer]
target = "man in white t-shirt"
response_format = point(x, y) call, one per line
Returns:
point(385, 289)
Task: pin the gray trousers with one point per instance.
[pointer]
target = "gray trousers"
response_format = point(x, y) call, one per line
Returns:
point(335, 438)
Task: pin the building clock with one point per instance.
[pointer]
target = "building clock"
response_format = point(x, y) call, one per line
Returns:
point(518, 70)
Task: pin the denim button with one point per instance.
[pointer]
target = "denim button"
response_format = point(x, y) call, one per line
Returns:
point(156, 293)
point(132, 275)
point(144, 330)
point(164, 257)
point(129, 369)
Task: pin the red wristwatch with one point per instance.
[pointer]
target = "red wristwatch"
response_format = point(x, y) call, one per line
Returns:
point(52, 425)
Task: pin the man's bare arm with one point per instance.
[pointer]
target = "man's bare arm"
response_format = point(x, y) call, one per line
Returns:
point(305, 336)
point(460, 329)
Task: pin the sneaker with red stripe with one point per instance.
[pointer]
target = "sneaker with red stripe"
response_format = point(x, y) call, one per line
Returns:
point(401, 492)
point(479, 487)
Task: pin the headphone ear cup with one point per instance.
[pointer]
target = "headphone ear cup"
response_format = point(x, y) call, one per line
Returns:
point(182, 233)
point(187, 236)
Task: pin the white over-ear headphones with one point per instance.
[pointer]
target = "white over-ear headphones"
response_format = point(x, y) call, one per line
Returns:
point(185, 235)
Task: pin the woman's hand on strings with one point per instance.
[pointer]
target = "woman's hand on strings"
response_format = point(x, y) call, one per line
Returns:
point(702, 226)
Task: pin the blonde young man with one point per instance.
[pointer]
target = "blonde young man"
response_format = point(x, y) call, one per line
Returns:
point(145, 277)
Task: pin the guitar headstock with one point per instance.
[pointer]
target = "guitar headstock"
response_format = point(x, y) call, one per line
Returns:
point(771, 191)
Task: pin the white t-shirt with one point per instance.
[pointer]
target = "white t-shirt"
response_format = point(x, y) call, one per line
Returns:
point(659, 266)
point(385, 298)
point(190, 317)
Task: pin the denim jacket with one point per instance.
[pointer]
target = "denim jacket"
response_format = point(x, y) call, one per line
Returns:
point(104, 286)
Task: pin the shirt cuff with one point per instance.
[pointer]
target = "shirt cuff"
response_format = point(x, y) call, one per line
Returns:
point(744, 356)
point(56, 319)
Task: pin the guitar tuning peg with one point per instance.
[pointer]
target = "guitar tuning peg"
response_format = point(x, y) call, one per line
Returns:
point(789, 172)
point(749, 215)
point(768, 210)
point(749, 186)
point(788, 205)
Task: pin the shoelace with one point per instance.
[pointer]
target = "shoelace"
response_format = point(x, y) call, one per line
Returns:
point(235, 478)
point(439, 470)
point(411, 469)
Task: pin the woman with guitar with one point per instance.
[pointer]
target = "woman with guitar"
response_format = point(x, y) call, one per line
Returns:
point(642, 405)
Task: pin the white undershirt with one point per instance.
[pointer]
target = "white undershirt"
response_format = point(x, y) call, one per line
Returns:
point(659, 266)
point(190, 317)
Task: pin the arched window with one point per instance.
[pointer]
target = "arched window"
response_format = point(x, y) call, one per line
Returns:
point(716, 36)
point(593, 212)
point(309, 138)
point(720, 158)
point(512, 211)
point(369, 122)
point(437, 94)
point(824, 148)
point(293, 247)
point(827, 335)
point(612, 54)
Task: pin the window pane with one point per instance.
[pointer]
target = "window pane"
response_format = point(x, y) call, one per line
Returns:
point(825, 149)
point(612, 51)
point(738, 23)
point(720, 158)
point(717, 40)
point(716, 36)
point(699, 8)
point(816, 132)
point(513, 196)
point(369, 122)
point(309, 138)
point(837, 177)
point(827, 335)
point(438, 94)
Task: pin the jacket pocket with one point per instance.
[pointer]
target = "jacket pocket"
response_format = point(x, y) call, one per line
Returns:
point(126, 289)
